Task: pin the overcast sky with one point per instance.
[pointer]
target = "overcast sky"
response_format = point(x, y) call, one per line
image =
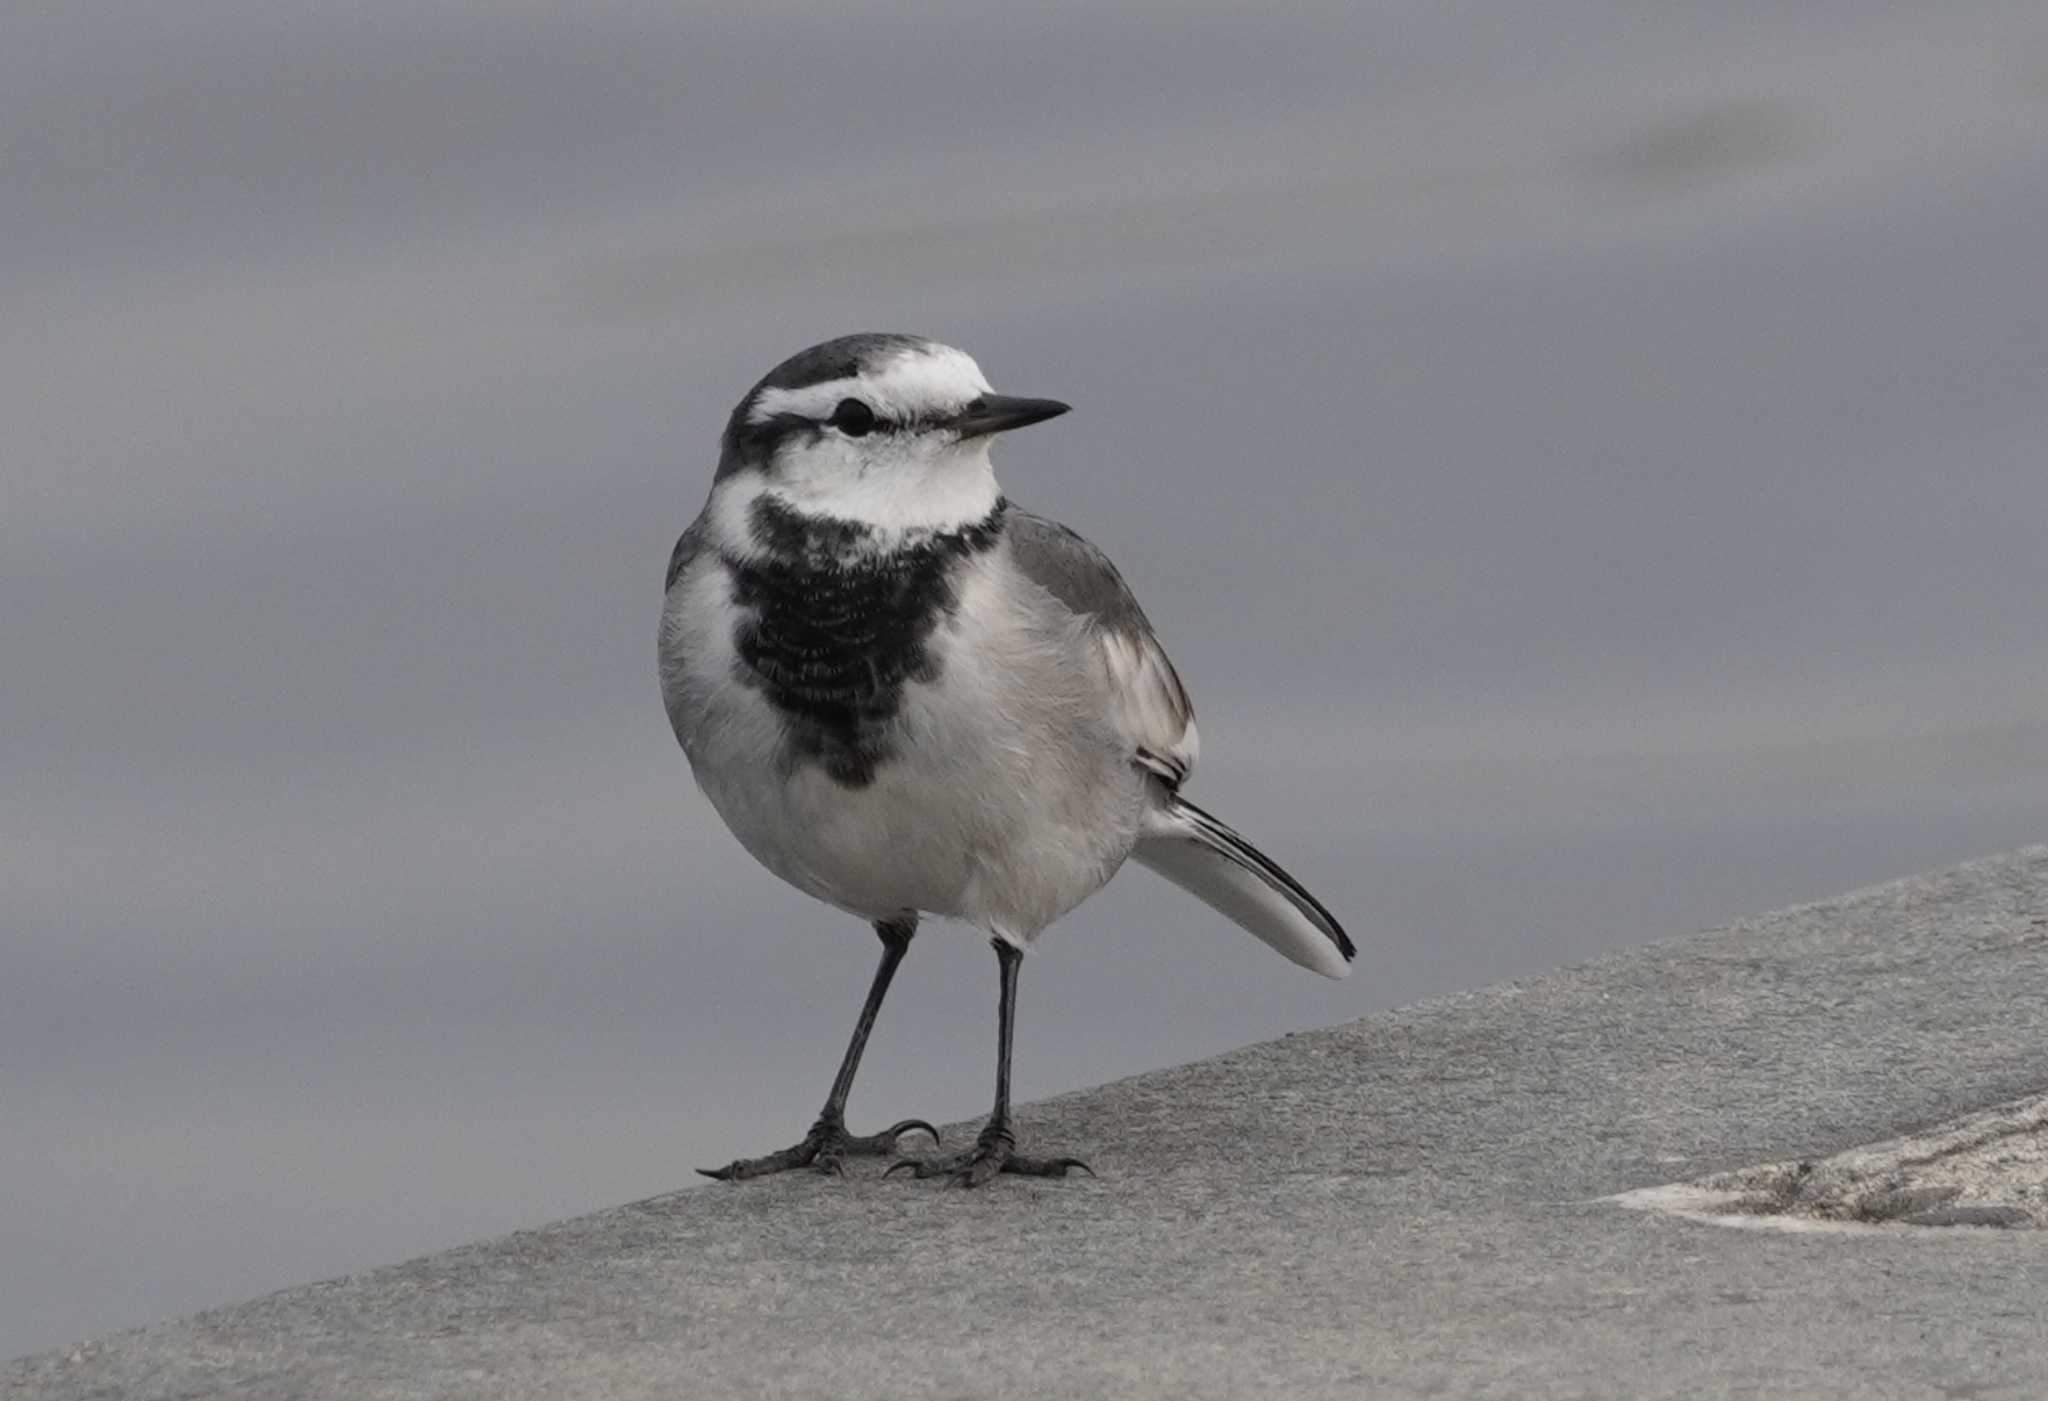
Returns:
point(1586, 459)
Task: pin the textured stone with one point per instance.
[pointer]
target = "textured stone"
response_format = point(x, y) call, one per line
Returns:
point(1985, 1169)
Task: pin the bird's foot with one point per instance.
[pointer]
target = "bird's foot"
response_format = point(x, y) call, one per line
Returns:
point(994, 1152)
point(824, 1149)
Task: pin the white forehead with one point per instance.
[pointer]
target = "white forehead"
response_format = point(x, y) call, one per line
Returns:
point(916, 380)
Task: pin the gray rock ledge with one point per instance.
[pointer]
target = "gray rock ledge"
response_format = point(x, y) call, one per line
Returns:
point(1417, 1203)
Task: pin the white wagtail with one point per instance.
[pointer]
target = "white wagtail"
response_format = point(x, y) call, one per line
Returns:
point(907, 697)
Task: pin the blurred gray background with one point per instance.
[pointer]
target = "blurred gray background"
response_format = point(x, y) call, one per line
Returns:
point(1587, 459)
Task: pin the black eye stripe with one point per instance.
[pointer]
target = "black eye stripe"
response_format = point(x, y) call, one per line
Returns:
point(853, 418)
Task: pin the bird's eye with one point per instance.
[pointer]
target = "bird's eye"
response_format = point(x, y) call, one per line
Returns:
point(853, 418)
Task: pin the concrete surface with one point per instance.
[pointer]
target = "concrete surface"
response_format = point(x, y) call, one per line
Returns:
point(1420, 1203)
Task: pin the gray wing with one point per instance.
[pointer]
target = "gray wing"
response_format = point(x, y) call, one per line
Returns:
point(1152, 706)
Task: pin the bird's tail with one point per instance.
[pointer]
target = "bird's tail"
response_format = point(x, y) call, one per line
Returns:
point(1205, 858)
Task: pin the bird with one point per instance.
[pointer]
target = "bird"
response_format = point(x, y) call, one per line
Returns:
point(909, 699)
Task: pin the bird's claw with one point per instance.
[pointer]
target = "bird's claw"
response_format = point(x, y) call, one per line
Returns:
point(885, 1141)
point(993, 1154)
point(824, 1149)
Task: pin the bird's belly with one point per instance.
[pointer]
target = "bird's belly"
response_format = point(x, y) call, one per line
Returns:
point(932, 833)
point(873, 851)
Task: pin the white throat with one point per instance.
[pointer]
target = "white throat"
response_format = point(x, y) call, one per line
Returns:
point(906, 502)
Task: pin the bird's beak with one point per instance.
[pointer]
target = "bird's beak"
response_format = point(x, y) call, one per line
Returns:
point(999, 413)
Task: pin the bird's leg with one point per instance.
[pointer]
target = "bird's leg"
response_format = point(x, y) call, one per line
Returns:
point(995, 1148)
point(827, 1145)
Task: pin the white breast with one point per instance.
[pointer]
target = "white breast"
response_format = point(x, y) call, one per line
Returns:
point(1010, 797)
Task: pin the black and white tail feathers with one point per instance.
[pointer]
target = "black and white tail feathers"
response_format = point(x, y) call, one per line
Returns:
point(1204, 857)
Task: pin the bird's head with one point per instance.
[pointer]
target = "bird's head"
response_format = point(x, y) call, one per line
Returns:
point(889, 431)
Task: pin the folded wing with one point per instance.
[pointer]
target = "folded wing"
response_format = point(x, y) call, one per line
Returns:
point(1188, 846)
point(1153, 708)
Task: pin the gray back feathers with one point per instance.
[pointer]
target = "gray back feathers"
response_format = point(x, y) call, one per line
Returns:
point(1073, 571)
